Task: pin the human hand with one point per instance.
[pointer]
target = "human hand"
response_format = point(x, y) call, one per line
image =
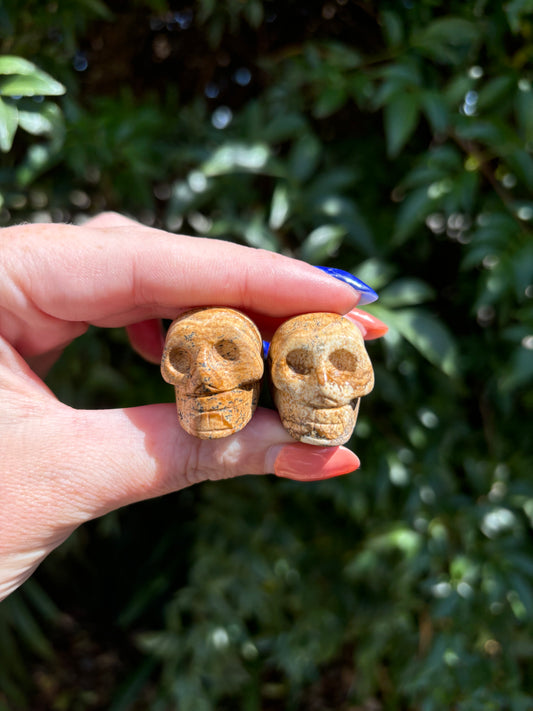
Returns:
point(61, 467)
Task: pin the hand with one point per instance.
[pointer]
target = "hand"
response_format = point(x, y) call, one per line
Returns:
point(61, 467)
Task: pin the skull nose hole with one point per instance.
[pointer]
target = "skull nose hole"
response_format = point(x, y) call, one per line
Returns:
point(299, 361)
point(180, 360)
point(227, 349)
point(342, 359)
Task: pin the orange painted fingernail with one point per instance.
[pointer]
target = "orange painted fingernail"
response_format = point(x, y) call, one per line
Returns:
point(371, 326)
point(305, 462)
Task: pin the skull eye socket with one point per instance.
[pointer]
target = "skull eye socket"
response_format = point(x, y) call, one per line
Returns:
point(180, 360)
point(227, 349)
point(300, 361)
point(342, 359)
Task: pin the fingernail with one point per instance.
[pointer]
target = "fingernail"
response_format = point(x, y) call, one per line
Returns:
point(368, 295)
point(371, 326)
point(305, 462)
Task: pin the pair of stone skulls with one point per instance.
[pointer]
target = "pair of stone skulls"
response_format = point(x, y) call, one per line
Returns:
point(318, 367)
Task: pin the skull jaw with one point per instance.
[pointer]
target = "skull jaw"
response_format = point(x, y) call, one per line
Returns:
point(218, 415)
point(324, 427)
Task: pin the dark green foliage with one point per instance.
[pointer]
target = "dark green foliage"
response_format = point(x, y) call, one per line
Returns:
point(394, 139)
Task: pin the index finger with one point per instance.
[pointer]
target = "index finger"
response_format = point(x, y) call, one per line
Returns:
point(114, 276)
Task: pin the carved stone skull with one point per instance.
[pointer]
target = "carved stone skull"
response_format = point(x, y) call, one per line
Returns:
point(213, 357)
point(319, 369)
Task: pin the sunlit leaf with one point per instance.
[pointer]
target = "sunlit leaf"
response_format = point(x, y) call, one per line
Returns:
point(236, 157)
point(9, 117)
point(258, 234)
point(374, 272)
point(16, 65)
point(43, 120)
point(38, 84)
point(322, 242)
point(425, 333)
point(406, 292)
point(280, 207)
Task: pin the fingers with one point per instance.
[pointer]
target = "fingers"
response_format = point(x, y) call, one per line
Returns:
point(142, 452)
point(114, 276)
point(110, 219)
point(371, 327)
point(147, 339)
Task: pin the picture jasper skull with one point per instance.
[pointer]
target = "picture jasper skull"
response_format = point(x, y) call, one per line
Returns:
point(213, 357)
point(319, 368)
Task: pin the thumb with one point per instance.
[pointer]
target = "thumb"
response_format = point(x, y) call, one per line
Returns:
point(142, 452)
point(69, 466)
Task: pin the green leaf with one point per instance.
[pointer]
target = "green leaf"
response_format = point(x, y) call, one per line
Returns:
point(38, 158)
point(16, 65)
point(304, 157)
point(436, 110)
point(392, 27)
point(401, 118)
point(519, 373)
point(280, 207)
point(98, 8)
point(258, 234)
point(322, 243)
point(412, 213)
point(515, 11)
point(447, 39)
point(8, 124)
point(237, 157)
point(330, 100)
point(283, 127)
point(254, 12)
point(521, 164)
point(524, 112)
point(340, 55)
point(425, 333)
point(38, 84)
point(29, 629)
point(406, 292)
point(35, 122)
point(374, 272)
point(345, 212)
point(495, 92)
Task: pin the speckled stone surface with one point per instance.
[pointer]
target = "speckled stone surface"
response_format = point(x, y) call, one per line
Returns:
point(319, 368)
point(213, 357)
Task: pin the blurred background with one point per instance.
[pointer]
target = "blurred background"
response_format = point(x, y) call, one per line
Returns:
point(392, 138)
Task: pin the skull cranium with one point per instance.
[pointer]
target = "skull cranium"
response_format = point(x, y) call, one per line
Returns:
point(319, 369)
point(213, 357)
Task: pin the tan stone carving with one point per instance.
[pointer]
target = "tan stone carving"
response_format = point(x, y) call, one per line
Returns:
point(319, 368)
point(213, 357)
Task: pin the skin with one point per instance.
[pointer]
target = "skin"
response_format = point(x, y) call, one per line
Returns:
point(61, 467)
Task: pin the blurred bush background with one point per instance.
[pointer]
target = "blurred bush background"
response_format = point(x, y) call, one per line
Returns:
point(390, 138)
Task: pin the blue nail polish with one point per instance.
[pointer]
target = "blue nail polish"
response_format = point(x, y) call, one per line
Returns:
point(368, 295)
